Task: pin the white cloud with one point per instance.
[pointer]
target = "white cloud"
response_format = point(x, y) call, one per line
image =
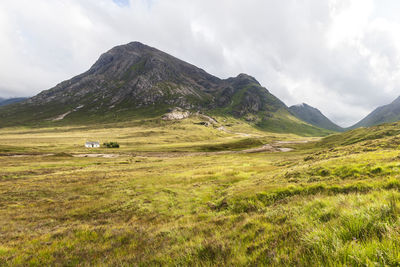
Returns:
point(341, 56)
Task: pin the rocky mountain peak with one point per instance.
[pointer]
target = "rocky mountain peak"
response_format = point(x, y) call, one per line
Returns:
point(136, 79)
point(248, 78)
point(313, 116)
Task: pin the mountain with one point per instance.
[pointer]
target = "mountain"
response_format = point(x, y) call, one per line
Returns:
point(8, 101)
point(135, 80)
point(314, 117)
point(382, 114)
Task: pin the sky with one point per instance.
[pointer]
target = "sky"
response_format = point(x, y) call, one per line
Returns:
point(340, 56)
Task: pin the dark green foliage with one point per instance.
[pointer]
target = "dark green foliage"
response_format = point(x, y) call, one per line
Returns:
point(111, 144)
point(235, 145)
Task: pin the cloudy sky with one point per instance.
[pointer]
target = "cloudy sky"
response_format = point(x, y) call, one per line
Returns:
point(341, 56)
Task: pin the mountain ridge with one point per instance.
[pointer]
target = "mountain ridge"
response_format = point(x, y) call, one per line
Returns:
point(9, 101)
point(382, 114)
point(134, 79)
point(314, 116)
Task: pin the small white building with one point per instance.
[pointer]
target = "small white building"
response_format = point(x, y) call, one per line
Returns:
point(92, 144)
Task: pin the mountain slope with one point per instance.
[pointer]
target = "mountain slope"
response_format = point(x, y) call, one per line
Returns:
point(8, 101)
point(135, 80)
point(376, 137)
point(382, 114)
point(314, 117)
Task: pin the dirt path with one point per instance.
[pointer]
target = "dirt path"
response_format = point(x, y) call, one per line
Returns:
point(222, 128)
point(17, 155)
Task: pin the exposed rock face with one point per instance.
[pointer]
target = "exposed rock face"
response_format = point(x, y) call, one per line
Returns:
point(176, 114)
point(138, 75)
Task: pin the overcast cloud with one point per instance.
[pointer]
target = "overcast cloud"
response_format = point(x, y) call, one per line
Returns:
point(341, 56)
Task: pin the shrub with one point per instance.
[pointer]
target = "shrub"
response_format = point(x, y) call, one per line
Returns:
point(111, 144)
point(214, 251)
point(324, 172)
point(376, 170)
point(308, 158)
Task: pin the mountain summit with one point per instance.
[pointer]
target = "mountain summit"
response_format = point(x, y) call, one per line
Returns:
point(133, 75)
point(136, 79)
point(314, 117)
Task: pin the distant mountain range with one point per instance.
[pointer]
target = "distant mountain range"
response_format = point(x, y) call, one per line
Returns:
point(382, 114)
point(8, 101)
point(314, 117)
point(135, 80)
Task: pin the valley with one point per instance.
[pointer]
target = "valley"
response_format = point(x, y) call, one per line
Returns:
point(146, 160)
point(199, 133)
point(171, 192)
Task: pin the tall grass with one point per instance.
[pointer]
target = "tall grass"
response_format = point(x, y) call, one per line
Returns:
point(151, 206)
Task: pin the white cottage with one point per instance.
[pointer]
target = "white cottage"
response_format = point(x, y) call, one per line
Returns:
point(92, 144)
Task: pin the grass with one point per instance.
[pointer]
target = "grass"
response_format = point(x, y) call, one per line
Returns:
point(169, 198)
point(283, 122)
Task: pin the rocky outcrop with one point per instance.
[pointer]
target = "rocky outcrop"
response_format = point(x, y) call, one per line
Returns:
point(176, 114)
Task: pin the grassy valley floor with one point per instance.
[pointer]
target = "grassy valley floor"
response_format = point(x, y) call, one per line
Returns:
point(168, 197)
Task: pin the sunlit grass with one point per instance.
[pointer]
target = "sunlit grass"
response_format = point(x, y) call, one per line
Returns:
point(151, 205)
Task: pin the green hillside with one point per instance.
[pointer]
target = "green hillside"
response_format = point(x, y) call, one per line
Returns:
point(382, 114)
point(384, 133)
